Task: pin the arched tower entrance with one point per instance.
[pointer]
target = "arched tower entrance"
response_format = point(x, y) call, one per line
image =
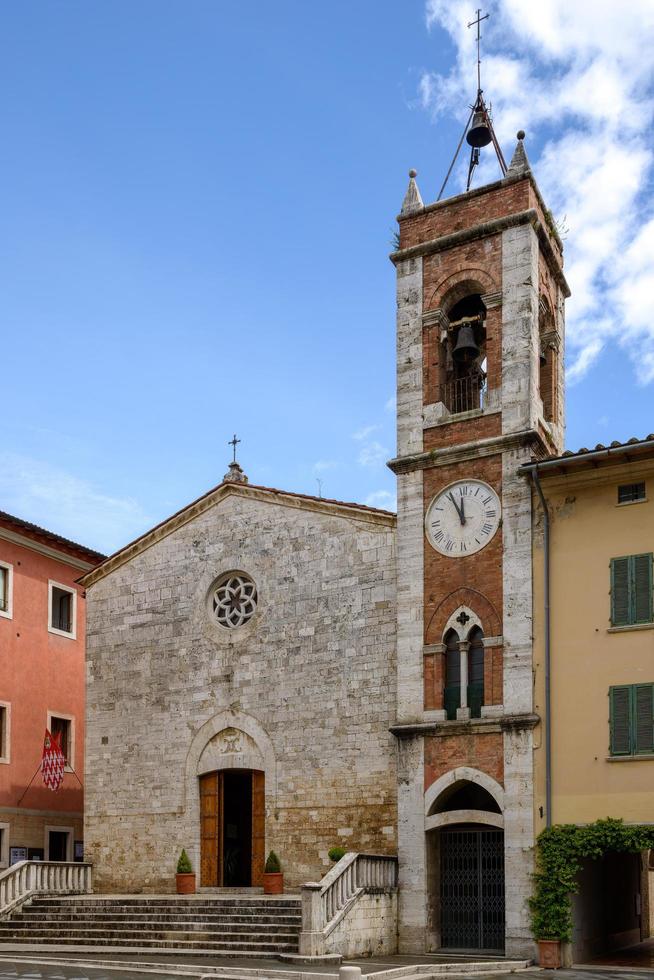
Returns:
point(465, 848)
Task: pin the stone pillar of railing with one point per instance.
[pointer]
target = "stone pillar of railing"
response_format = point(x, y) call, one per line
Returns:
point(311, 938)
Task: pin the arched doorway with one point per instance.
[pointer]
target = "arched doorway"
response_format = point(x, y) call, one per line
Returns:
point(232, 828)
point(465, 847)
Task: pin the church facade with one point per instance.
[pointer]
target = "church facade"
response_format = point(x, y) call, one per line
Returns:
point(241, 688)
point(268, 670)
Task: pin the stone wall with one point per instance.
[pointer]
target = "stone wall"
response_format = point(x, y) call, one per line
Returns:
point(368, 929)
point(305, 691)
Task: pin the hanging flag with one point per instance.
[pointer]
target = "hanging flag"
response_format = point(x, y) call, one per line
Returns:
point(53, 762)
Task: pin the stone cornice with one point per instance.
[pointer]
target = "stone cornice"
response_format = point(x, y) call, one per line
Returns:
point(474, 726)
point(332, 508)
point(484, 230)
point(467, 450)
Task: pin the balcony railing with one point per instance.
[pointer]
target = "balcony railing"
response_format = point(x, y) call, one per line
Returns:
point(463, 394)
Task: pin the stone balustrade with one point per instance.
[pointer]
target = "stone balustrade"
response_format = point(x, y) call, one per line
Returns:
point(330, 902)
point(27, 878)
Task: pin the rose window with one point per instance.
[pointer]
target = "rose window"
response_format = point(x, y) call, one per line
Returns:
point(234, 600)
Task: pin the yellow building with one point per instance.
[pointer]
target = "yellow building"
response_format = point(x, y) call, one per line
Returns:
point(593, 544)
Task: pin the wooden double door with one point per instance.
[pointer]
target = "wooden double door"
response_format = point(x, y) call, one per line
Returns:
point(233, 828)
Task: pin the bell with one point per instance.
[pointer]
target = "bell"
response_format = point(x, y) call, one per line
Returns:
point(465, 349)
point(479, 133)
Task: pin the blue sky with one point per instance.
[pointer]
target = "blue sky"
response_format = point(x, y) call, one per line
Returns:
point(199, 201)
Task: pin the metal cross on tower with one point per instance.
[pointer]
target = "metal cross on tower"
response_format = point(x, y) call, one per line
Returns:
point(234, 443)
point(478, 23)
point(481, 132)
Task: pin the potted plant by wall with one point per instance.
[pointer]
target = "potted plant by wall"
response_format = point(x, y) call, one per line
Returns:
point(336, 853)
point(273, 878)
point(549, 954)
point(185, 878)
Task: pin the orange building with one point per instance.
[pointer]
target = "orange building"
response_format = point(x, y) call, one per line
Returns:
point(42, 677)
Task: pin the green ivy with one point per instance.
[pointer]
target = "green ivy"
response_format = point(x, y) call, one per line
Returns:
point(560, 851)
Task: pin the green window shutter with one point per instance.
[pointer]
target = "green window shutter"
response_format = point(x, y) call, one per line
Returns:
point(475, 699)
point(452, 701)
point(643, 718)
point(620, 606)
point(641, 589)
point(620, 720)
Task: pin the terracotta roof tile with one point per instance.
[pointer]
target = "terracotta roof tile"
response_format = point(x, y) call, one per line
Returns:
point(56, 540)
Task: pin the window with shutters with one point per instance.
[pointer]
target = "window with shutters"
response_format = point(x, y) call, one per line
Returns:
point(61, 727)
point(631, 719)
point(5, 709)
point(6, 589)
point(631, 590)
point(62, 610)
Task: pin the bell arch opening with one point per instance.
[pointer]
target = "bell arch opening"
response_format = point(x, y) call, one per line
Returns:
point(463, 355)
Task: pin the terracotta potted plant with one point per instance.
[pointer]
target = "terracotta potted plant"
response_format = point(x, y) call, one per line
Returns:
point(273, 878)
point(185, 878)
point(549, 954)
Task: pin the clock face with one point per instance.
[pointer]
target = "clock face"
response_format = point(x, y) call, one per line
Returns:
point(463, 518)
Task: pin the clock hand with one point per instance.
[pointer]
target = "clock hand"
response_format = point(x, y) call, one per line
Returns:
point(458, 510)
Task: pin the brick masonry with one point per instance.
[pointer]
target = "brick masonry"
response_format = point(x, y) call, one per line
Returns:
point(305, 691)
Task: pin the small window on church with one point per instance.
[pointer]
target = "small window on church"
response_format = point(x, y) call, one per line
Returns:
point(233, 600)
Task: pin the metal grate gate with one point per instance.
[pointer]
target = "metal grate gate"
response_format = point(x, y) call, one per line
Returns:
point(472, 889)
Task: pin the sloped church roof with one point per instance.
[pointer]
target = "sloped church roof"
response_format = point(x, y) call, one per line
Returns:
point(285, 498)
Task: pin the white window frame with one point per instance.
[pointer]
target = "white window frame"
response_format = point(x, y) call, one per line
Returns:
point(61, 830)
point(5, 758)
point(73, 616)
point(4, 845)
point(8, 613)
point(70, 766)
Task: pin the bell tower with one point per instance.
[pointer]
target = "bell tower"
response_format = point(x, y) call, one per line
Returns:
point(480, 334)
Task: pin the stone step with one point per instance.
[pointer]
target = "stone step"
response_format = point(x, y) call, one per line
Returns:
point(227, 925)
point(172, 901)
point(136, 928)
point(223, 947)
point(64, 915)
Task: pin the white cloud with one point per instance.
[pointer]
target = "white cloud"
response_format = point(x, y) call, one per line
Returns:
point(324, 465)
point(383, 499)
point(579, 75)
point(364, 432)
point(373, 454)
point(391, 404)
point(52, 498)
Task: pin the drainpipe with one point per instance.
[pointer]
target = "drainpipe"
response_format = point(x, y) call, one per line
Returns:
point(548, 691)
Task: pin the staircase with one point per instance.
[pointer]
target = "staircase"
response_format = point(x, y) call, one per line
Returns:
point(227, 926)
